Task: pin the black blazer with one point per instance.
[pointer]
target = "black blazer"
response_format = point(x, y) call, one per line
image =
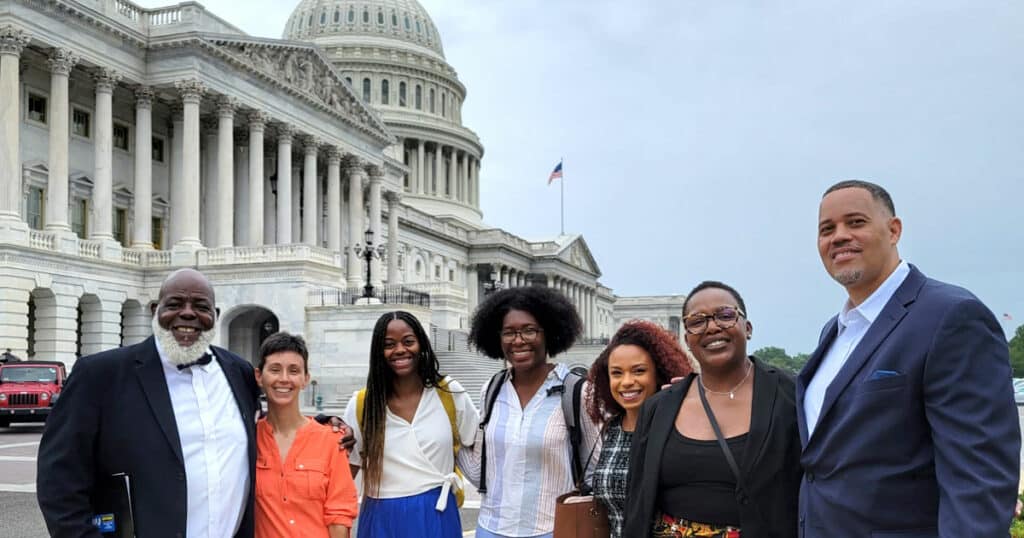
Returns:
point(770, 464)
point(114, 415)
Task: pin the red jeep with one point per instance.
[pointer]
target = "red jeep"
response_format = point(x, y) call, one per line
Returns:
point(28, 389)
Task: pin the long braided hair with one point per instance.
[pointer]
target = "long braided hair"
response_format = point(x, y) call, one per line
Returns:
point(380, 385)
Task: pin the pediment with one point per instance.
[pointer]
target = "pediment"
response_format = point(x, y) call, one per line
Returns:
point(577, 253)
point(303, 70)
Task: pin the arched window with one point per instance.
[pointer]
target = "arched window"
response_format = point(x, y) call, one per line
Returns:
point(351, 15)
point(366, 90)
point(407, 26)
point(444, 103)
point(323, 18)
point(385, 89)
point(349, 80)
point(394, 19)
point(366, 16)
point(310, 24)
point(401, 93)
point(419, 29)
point(419, 97)
point(431, 100)
point(380, 17)
point(337, 16)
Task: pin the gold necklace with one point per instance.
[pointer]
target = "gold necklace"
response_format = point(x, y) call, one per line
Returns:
point(731, 393)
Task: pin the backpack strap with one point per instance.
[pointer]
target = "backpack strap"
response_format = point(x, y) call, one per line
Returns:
point(571, 397)
point(360, 405)
point(490, 396)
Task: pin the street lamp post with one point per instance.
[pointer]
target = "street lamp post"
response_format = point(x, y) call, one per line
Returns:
point(368, 253)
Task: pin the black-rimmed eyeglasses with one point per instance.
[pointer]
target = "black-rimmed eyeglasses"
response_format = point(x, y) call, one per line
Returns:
point(724, 316)
point(529, 334)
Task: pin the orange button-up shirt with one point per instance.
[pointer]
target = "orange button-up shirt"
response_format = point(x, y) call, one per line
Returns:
point(310, 490)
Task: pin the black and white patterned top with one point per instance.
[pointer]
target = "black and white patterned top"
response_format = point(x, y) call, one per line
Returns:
point(610, 474)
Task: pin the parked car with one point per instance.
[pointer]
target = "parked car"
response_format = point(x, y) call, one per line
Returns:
point(1018, 390)
point(28, 390)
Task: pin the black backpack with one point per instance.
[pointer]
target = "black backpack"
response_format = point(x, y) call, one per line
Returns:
point(571, 391)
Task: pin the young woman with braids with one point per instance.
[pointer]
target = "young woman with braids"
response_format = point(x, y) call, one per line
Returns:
point(405, 424)
point(641, 357)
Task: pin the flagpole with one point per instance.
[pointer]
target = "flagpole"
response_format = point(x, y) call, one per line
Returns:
point(561, 163)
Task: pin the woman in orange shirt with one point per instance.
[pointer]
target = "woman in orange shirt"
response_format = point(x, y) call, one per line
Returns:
point(303, 485)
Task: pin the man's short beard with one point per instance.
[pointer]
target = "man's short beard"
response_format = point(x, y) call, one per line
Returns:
point(175, 353)
point(848, 277)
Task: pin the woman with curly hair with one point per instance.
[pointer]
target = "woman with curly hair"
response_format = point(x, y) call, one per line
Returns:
point(528, 452)
point(717, 455)
point(641, 357)
point(408, 423)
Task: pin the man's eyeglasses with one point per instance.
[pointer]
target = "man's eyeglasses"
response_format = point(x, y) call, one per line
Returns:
point(528, 334)
point(724, 316)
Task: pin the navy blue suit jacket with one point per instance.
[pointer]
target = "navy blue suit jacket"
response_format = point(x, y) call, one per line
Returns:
point(114, 415)
point(918, 434)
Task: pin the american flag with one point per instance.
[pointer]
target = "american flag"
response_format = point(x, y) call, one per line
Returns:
point(556, 173)
point(1007, 317)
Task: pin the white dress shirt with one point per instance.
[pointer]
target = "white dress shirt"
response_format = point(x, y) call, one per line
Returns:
point(853, 324)
point(214, 445)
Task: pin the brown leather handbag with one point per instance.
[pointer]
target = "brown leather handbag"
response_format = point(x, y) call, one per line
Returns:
point(581, 517)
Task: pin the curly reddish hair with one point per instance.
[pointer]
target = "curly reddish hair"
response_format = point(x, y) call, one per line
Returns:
point(665, 351)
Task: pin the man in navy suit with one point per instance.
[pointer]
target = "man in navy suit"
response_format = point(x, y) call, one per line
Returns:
point(174, 414)
point(905, 409)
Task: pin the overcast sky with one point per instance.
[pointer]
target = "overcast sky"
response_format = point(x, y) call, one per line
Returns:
point(699, 135)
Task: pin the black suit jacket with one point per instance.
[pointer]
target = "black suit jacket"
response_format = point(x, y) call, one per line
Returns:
point(770, 464)
point(114, 415)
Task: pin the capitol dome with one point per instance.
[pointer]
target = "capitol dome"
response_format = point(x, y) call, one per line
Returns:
point(385, 23)
point(390, 53)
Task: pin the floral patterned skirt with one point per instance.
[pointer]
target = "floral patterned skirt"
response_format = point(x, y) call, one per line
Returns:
point(666, 526)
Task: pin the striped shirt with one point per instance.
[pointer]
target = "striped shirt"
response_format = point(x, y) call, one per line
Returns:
point(528, 458)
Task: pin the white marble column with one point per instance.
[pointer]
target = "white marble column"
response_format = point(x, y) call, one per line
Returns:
point(284, 183)
point(61, 62)
point(333, 199)
point(421, 176)
point(269, 202)
point(472, 288)
point(186, 209)
point(224, 211)
point(12, 42)
point(436, 185)
point(257, 124)
point(103, 143)
point(176, 224)
point(451, 183)
point(356, 176)
point(208, 181)
point(376, 174)
point(241, 188)
point(310, 189)
point(394, 202)
point(142, 231)
point(296, 201)
point(476, 182)
point(461, 182)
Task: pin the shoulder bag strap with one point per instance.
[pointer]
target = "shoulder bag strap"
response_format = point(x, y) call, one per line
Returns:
point(741, 488)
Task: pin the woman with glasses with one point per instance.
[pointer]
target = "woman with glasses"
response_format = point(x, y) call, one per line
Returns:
point(717, 454)
point(528, 452)
point(641, 357)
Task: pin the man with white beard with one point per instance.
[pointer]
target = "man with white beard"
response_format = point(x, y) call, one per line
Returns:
point(173, 418)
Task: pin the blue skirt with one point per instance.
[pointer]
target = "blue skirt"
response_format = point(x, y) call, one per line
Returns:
point(411, 516)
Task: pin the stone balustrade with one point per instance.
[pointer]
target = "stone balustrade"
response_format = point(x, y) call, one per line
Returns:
point(268, 253)
point(42, 240)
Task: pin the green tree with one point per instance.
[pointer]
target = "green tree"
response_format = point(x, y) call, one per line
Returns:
point(777, 357)
point(1017, 352)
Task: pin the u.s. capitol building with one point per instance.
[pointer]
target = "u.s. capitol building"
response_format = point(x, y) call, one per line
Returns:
point(134, 141)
